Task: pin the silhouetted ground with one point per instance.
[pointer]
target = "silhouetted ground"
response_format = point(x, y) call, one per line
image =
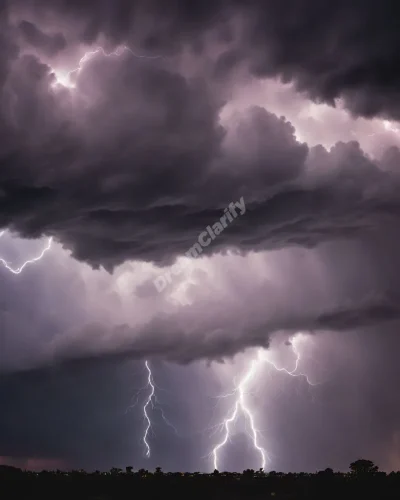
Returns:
point(363, 481)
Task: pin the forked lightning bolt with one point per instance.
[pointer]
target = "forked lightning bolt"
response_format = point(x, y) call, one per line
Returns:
point(148, 402)
point(241, 405)
point(18, 270)
point(151, 403)
point(265, 355)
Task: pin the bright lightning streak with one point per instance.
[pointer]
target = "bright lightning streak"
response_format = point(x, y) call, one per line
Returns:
point(292, 373)
point(19, 270)
point(65, 79)
point(240, 403)
point(147, 403)
point(153, 403)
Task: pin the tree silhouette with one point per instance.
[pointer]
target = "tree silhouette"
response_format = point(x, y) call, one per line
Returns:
point(364, 482)
point(115, 471)
point(249, 473)
point(363, 467)
point(260, 472)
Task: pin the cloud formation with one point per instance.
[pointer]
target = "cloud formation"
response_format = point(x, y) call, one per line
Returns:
point(133, 163)
point(132, 160)
point(335, 50)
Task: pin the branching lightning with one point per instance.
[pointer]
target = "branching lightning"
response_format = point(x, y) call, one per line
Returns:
point(294, 344)
point(241, 404)
point(151, 403)
point(148, 402)
point(18, 270)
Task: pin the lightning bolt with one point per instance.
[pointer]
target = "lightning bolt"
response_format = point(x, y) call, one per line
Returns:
point(67, 81)
point(241, 405)
point(151, 403)
point(18, 270)
point(148, 402)
point(294, 344)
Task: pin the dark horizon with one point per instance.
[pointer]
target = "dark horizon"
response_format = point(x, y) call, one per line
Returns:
point(364, 478)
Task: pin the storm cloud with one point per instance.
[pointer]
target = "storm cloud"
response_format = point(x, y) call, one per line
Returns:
point(330, 50)
point(134, 163)
point(126, 128)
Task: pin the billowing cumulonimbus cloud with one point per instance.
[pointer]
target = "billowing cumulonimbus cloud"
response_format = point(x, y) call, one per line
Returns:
point(330, 50)
point(133, 163)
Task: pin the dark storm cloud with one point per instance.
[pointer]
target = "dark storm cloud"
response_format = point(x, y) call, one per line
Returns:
point(366, 315)
point(134, 164)
point(331, 50)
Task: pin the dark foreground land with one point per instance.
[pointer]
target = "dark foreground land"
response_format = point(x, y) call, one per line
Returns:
point(363, 481)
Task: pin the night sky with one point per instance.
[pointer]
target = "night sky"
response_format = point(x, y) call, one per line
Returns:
point(127, 127)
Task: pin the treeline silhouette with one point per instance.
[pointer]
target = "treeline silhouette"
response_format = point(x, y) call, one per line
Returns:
point(364, 480)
